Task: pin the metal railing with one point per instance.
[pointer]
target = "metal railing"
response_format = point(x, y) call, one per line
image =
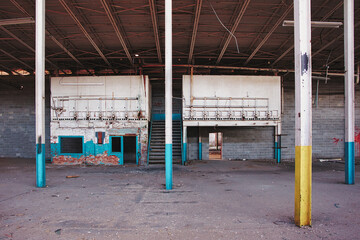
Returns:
point(227, 108)
point(96, 108)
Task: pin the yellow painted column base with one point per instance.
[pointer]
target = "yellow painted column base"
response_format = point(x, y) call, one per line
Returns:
point(303, 165)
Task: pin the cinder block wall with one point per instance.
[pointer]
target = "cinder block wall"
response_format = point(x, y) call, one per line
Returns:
point(258, 142)
point(17, 124)
point(17, 117)
point(328, 119)
point(238, 142)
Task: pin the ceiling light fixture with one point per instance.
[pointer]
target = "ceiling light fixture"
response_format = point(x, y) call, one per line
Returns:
point(319, 24)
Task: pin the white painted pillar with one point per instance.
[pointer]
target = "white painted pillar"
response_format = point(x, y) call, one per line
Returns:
point(303, 115)
point(184, 147)
point(40, 92)
point(168, 93)
point(349, 92)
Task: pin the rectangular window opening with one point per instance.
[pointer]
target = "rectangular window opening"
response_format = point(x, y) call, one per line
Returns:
point(116, 144)
point(71, 144)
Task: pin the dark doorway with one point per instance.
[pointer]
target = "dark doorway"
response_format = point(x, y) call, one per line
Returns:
point(129, 149)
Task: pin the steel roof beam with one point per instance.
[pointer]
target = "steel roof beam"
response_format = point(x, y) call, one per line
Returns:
point(18, 6)
point(13, 21)
point(233, 29)
point(87, 35)
point(332, 41)
point(276, 25)
point(25, 44)
point(16, 59)
point(156, 28)
point(322, 19)
point(116, 28)
point(195, 29)
point(275, 13)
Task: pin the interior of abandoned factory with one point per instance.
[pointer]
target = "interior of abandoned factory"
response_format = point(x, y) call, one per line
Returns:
point(232, 106)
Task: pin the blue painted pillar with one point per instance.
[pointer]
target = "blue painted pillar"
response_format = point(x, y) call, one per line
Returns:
point(184, 153)
point(278, 160)
point(278, 143)
point(349, 162)
point(275, 143)
point(168, 94)
point(40, 93)
point(200, 145)
point(349, 92)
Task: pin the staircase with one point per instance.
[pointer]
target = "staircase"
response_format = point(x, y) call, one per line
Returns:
point(157, 142)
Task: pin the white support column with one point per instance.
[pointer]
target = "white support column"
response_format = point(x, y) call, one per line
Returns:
point(200, 144)
point(168, 93)
point(40, 93)
point(303, 105)
point(349, 92)
point(184, 147)
point(278, 143)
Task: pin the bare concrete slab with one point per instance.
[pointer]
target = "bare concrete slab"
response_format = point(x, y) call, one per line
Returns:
point(210, 200)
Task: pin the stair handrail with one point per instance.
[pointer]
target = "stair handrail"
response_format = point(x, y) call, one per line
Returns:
point(148, 152)
point(182, 150)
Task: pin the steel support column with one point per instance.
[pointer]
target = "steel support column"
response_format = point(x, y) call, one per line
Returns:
point(184, 148)
point(168, 93)
point(349, 92)
point(40, 93)
point(278, 143)
point(200, 145)
point(303, 112)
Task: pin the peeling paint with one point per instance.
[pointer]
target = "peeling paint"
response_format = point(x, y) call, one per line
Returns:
point(107, 108)
point(304, 63)
point(89, 160)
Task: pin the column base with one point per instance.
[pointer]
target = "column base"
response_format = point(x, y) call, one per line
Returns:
point(349, 162)
point(40, 166)
point(168, 166)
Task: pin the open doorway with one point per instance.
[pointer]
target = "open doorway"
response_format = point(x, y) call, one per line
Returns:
point(215, 146)
point(130, 149)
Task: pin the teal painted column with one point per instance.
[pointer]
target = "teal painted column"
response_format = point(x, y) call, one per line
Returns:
point(278, 155)
point(168, 166)
point(200, 145)
point(40, 92)
point(168, 94)
point(184, 148)
point(200, 150)
point(349, 162)
point(40, 165)
point(277, 144)
point(349, 91)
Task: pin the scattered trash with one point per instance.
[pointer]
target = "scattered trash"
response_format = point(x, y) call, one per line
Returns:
point(9, 235)
point(75, 176)
point(279, 222)
point(58, 231)
point(337, 205)
point(330, 159)
point(55, 195)
point(244, 159)
point(66, 198)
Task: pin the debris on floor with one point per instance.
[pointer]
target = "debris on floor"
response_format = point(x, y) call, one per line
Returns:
point(75, 176)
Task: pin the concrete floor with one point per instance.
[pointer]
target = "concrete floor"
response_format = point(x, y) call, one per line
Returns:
point(211, 200)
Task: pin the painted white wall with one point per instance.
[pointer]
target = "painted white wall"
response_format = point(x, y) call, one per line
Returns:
point(100, 88)
point(223, 86)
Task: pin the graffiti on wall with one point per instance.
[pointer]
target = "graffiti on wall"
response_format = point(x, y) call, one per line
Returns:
point(357, 141)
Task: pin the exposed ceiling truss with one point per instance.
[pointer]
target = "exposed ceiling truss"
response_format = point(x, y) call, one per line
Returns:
point(118, 29)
